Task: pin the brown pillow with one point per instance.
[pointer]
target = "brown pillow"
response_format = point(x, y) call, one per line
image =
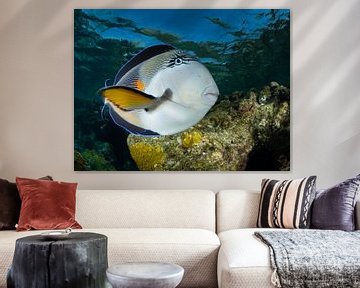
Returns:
point(10, 204)
point(46, 204)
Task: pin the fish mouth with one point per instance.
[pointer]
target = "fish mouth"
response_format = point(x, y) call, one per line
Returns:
point(210, 95)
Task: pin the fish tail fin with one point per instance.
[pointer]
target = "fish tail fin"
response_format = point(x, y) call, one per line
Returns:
point(99, 91)
point(102, 111)
point(106, 83)
point(98, 101)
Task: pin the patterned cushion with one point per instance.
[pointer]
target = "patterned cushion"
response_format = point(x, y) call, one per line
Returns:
point(286, 204)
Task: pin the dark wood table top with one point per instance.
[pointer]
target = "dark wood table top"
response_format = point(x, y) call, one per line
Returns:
point(72, 238)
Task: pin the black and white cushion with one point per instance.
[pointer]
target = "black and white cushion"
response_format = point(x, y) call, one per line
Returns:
point(286, 204)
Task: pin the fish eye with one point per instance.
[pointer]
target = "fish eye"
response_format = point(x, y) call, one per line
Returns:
point(178, 61)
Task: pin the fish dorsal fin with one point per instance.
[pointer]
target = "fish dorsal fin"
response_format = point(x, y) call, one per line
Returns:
point(142, 56)
point(133, 79)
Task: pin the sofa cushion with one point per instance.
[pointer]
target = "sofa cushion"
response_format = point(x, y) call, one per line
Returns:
point(153, 209)
point(46, 204)
point(10, 204)
point(194, 249)
point(244, 261)
point(236, 209)
point(286, 204)
point(334, 208)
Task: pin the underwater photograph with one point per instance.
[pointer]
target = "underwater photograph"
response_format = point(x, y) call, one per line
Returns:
point(182, 90)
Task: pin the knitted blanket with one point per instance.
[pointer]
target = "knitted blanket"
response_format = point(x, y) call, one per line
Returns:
point(313, 258)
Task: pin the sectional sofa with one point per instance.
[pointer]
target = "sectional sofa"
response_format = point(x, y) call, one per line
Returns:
point(210, 235)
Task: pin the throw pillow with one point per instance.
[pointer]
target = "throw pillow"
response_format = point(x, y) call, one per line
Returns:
point(10, 204)
point(46, 204)
point(286, 204)
point(334, 208)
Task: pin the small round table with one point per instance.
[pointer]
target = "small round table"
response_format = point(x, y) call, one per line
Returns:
point(79, 260)
point(145, 275)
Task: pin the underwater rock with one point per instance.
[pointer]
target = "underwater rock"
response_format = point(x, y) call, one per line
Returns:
point(279, 92)
point(273, 92)
point(79, 162)
point(226, 137)
point(149, 156)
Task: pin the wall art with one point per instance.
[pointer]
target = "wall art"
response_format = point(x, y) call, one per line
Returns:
point(181, 89)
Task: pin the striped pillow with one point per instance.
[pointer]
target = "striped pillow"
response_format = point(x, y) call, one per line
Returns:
point(286, 204)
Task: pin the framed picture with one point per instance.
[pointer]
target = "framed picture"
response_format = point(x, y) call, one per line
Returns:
point(182, 89)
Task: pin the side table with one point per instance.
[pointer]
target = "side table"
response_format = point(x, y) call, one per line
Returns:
point(78, 261)
point(145, 275)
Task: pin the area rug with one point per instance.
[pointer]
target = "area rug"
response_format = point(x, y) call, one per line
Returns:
point(313, 258)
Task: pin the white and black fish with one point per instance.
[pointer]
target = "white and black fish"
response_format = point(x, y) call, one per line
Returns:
point(160, 91)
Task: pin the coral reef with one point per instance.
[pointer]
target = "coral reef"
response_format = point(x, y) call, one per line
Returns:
point(149, 157)
point(190, 139)
point(229, 138)
point(271, 131)
point(91, 160)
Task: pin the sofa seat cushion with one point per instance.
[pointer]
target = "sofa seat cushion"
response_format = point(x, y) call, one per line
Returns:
point(244, 261)
point(194, 249)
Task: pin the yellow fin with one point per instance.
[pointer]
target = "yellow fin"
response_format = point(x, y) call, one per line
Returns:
point(126, 98)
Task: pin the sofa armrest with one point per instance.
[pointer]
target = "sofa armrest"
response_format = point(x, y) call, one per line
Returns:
point(357, 215)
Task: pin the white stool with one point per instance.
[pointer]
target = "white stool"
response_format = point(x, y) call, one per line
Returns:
point(145, 275)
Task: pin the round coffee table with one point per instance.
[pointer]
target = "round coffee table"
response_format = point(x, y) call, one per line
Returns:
point(145, 275)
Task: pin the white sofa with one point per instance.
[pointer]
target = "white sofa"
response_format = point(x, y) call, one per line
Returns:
point(243, 261)
point(175, 226)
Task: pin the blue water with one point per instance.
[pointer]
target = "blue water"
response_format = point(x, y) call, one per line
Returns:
point(189, 24)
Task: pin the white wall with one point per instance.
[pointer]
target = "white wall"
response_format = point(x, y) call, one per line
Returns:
point(36, 90)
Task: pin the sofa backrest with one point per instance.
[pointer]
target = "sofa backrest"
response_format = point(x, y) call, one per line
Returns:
point(146, 209)
point(239, 209)
point(236, 209)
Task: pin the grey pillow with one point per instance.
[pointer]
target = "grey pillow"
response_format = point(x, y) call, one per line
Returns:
point(334, 208)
